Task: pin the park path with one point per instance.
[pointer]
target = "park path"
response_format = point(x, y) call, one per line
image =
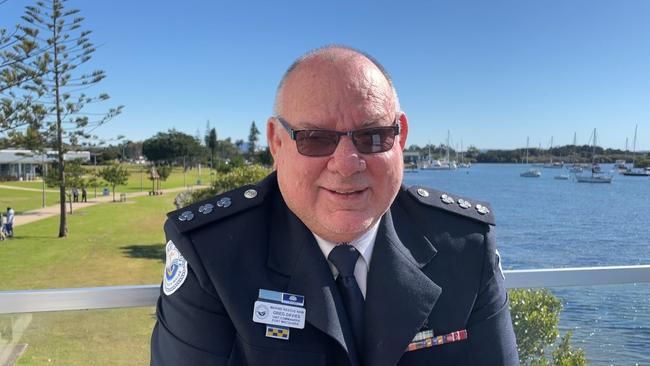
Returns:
point(27, 189)
point(49, 211)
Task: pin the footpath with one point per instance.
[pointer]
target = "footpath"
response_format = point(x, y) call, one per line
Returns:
point(49, 211)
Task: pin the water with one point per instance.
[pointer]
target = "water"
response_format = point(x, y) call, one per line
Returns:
point(548, 223)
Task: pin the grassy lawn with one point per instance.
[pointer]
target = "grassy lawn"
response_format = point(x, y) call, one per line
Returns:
point(108, 244)
point(25, 184)
point(139, 179)
point(80, 338)
point(22, 201)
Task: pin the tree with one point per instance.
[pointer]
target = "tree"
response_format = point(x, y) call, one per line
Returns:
point(72, 177)
point(16, 47)
point(56, 89)
point(94, 181)
point(171, 146)
point(115, 175)
point(211, 143)
point(253, 137)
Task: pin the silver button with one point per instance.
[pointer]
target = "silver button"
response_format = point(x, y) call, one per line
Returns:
point(250, 193)
point(186, 216)
point(224, 202)
point(423, 192)
point(447, 199)
point(464, 204)
point(206, 209)
point(482, 209)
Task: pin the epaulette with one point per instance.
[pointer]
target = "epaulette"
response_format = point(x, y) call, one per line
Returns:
point(215, 208)
point(478, 211)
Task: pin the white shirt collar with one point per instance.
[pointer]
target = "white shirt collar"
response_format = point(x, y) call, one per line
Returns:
point(364, 244)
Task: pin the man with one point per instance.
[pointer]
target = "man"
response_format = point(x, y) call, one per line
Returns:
point(329, 261)
point(84, 194)
point(9, 225)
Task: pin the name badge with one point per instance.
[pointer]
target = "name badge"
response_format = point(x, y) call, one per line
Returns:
point(279, 309)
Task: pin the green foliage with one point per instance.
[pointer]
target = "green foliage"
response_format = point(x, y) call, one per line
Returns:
point(535, 316)
point(239, 176)
point(164, 171)
point(565, 355)
point(253, 137)
point(115, 175)
point(74, 174)
point(236, 162)
point(265, 157)
point(171, 146)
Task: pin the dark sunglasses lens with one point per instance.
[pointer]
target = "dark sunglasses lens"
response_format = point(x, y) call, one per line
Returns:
point(316, 142)
point(374, 140)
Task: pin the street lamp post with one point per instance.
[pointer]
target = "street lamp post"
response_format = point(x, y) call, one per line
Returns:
point(43, 175)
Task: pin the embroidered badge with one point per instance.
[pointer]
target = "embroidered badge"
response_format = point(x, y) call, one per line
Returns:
point(175, 269)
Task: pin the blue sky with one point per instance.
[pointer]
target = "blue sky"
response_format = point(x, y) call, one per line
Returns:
point(491, 72)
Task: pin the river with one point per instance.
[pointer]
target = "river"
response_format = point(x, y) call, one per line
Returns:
point(548, 223)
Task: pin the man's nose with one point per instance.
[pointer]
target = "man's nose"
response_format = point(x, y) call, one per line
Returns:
point(346, 159)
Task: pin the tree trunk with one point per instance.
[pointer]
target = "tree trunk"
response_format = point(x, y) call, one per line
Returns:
point(63, 226)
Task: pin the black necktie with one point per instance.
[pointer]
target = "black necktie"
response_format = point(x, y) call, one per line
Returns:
point(344, 257)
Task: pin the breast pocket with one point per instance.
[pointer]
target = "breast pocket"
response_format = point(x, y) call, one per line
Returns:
point(244, 354)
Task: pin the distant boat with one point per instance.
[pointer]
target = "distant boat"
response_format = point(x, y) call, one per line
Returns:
point(636, 172)
point(620, 165)
point(561, 177)
point(532, 172)
point(594, 178)
point(632, 171)
point(441, 165)
point(462, 163)
point(596, 173)
point(575, 168)
point(552, 164)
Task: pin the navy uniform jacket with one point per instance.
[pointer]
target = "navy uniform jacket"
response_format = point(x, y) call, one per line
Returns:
point(434, 267)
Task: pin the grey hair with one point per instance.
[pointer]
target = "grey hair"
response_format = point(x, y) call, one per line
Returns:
point(301, 59)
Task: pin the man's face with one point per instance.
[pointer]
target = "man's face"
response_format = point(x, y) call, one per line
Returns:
point(340, 196)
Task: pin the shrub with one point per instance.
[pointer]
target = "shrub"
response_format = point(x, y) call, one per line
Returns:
point(535, 318)
point(239, 176)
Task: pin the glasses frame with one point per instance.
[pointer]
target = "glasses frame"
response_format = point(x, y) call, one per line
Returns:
point(395, 126)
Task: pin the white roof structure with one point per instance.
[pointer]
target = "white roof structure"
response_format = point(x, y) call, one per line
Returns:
point(21, 156)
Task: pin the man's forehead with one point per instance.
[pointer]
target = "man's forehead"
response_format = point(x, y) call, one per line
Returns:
point(324, 91)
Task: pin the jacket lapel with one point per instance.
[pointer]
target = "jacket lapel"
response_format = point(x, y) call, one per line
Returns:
point(399, 295)
point(293, 251)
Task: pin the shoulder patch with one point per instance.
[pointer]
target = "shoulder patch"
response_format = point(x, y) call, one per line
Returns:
point(216, 208)
point(175, 269)
point(478, 211)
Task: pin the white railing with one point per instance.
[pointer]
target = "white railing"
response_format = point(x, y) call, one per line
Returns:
point(32, 301)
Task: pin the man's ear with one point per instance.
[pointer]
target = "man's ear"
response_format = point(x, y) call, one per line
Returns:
point(273, 138)
point(403, 129)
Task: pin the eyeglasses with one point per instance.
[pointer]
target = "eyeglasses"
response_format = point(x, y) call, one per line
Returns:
point(324, 142)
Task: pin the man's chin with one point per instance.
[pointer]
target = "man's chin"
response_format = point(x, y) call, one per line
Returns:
point(345, 229)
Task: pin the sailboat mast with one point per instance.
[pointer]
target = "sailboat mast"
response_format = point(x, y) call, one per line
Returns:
point(593, 149)
point(634, 147)
point(527, 138)
point(447, 155)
